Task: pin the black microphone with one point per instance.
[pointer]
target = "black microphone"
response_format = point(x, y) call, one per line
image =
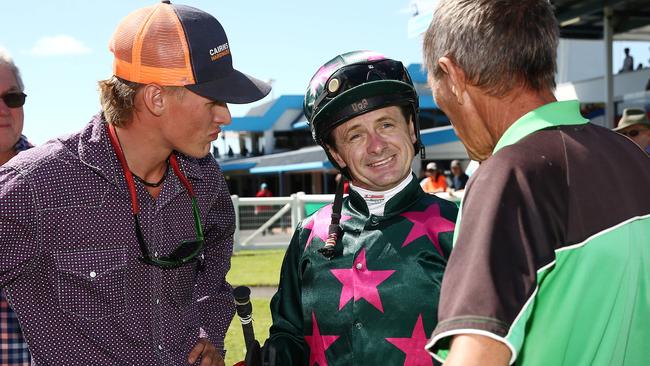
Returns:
point(244, 307)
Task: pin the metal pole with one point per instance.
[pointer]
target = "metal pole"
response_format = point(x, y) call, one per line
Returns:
point(280, 184)
point(609, 80)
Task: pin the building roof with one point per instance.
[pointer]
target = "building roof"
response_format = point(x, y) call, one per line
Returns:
point(287, 109)
point(583, 19)
point(308, 158)
point(440, 143)
point(268, 115)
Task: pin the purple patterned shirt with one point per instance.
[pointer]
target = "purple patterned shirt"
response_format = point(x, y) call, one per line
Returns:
point(13, 348)
point(70, 256)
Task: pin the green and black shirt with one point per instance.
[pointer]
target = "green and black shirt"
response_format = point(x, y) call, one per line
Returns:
point(552, 251)
point(376, 301)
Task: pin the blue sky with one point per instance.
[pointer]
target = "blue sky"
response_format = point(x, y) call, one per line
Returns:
point(61, 46)
point(281, 40)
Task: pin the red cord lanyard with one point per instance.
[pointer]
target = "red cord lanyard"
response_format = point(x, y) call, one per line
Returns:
point(130, 182)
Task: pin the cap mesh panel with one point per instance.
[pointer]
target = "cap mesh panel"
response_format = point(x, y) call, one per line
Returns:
point(161, 45)
point(122, 43)
point(149, 47)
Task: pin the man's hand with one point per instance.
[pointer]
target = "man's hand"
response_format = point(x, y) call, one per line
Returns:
point(208, 353)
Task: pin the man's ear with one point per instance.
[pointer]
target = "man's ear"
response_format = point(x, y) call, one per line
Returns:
point(339, 160)
point(411, 126)
point(456, 79)
point(153, 98)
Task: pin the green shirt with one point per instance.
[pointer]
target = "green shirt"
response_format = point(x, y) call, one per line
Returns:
point(376, 301)
point(552, 252)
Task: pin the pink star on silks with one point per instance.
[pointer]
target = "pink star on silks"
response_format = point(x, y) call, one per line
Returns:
point(360, 282)
point(320, 224)
point(429, 223)
point(416, 354)
point(318, 344)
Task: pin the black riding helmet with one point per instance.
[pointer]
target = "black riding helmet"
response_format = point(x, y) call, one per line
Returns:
point(355, 83)
point(348, 86)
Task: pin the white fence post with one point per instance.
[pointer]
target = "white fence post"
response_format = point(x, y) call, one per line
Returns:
point(301, 206)
point(235, 203)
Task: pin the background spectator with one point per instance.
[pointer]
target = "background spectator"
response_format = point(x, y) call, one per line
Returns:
point(435, 181)
point(628, 62)
point(635, 125)
point(263, 211)
point(458, 178)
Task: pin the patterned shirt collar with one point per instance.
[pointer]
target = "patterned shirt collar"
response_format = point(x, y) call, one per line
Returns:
point(23, 144)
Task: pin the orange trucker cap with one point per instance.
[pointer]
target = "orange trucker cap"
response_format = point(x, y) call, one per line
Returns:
point(178, 45)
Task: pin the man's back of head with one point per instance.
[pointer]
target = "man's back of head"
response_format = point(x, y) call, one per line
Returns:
point(489, 63)
point(499, 44)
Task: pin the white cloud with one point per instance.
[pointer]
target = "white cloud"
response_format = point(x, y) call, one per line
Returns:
point(419, 6)
point(59, 45)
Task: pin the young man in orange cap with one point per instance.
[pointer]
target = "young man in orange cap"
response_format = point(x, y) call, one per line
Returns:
point(116, 240)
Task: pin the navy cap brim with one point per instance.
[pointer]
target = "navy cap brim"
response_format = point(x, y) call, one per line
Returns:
point(236, 88)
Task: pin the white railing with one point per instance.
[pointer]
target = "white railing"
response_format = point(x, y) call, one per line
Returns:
point(277, 216)
point(268, 222)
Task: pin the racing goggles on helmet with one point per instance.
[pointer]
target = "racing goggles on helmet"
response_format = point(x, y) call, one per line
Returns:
point(351, 76)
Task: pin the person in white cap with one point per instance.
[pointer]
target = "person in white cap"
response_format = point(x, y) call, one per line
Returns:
point(635, 125)
point(435, 181)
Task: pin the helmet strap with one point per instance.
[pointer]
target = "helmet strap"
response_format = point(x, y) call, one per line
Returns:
point(334, 231)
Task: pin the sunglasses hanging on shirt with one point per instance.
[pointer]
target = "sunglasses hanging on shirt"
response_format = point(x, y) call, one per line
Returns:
point(187, 251)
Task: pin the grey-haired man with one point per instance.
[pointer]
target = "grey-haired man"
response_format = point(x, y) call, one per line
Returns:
point(13, 349)
point(550, 261)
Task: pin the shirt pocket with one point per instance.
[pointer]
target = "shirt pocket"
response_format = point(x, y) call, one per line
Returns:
point(91, 283)
point(184, 283)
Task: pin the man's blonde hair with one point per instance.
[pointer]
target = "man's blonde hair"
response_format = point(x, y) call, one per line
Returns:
point(117, 97)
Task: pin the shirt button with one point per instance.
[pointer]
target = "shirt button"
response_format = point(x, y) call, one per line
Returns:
point(374, 221)
point(358, 325)
point(160, 347)
point(157, 301)
point(155, 254)
point(93, 274)
point(359, 266)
